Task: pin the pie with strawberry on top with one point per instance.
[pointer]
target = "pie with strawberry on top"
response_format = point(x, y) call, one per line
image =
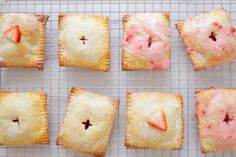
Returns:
point(154, 120)
point(22, 40)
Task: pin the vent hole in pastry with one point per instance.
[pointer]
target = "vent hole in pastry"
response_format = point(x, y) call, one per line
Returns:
point(16, 121)
point(227, 118)
point(83, 39)
point(87, 124)
point(149, 42)
point(213, 36)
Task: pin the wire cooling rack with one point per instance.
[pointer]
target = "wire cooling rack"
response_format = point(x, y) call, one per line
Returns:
point(57, 81)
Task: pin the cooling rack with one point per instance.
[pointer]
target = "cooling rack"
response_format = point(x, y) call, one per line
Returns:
point(57, 81)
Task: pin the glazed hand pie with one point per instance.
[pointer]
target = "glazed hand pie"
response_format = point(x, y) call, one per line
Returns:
point(154, 120)
point(146, 42)
point(210, 38)
point(216, 115)
point(88, 122)
point(22, 40)
point(23, 119)
point(84, 41)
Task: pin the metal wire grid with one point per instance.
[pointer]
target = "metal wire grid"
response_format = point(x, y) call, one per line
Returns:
point(57, 81)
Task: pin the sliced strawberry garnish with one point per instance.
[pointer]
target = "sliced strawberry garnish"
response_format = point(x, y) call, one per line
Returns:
point(158, 121)
point(13, 33)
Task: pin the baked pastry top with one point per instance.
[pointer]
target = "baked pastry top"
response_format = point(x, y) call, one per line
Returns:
point(84, 41)
point(146, 42)
point(88, 122)
point(210, 38)
point(154, 120)
point(22, 40)
point(23, 118)
point(216, 115)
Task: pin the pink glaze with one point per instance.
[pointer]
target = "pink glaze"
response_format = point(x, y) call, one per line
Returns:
point(212, 108)
point(198, 37)
point(149, 42)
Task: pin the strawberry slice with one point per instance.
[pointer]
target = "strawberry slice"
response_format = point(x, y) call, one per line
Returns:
point(158, 121)
point(13, 33)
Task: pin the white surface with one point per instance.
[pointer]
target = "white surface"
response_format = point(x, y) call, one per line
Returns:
point(57, 81)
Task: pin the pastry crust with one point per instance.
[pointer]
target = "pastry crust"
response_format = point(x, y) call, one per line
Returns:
point(99, 110)
point(132, 62)
point(94, 51)
point(213, 42)
point(29, 52)
point(216, 133)
point(139, 134)
point(23, 119)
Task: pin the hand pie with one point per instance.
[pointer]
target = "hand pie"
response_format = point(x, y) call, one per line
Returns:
point(216, 115)
point(154, 120)
point(210, 38)
point(84, 41)
point(23, 119)
point(22, 40)
point(88, 122)
point(146, 42)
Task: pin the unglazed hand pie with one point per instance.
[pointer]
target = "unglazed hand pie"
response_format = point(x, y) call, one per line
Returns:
point(88, 122)
point(210, 38)
point(23, 119)
point(22, 40)
point(216, 115)
point(146, 42)
point(154, 120)
point(84, 41)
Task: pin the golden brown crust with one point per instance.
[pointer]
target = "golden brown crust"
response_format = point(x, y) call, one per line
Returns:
point(201, 146)
point(129, 101)
point(60, 52)
point(166, 17)
point(203, 150)
point(42, 19)
point(104, 64)
point(179, 26)
point(181, 110)
point(44, 137)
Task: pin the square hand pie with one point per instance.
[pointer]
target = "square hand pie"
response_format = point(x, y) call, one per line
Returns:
point(216, 115)
point(22, 40)
point(146, 42)
point(88, 122)
point(84, 41)
point(210, 38)
point(23, 118)
point(154, 120)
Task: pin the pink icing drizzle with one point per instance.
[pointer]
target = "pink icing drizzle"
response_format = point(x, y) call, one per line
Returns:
point(201, 34)
point(149, 42)
point(216, 105)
